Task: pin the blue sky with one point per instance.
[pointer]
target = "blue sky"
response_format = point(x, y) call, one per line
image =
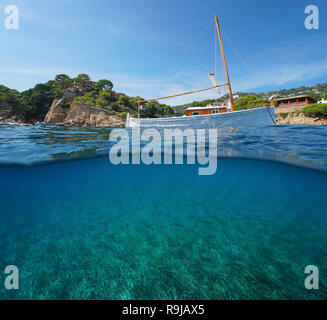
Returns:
point(154, 47)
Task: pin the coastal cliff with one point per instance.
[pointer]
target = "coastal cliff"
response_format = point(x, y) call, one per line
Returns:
point(60, 106)
point(73, 102)
point(81, 116)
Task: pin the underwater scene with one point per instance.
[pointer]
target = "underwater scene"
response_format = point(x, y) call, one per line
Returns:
point(79, 227)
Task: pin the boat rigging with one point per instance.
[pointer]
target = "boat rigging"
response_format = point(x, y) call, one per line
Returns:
point(211, 116)
point(211, 75)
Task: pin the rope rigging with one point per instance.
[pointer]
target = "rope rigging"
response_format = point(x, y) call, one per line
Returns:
point(212, 75)
point(197, 39)
point(240, 56)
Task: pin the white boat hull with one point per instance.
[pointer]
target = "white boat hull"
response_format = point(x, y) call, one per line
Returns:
point(249, 117)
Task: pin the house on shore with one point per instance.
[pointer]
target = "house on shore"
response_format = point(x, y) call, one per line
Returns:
point(294, 102)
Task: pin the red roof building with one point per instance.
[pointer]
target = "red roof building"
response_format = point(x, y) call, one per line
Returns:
point(295, 102)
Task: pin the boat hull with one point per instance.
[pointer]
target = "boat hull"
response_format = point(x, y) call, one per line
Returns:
point(249, 117)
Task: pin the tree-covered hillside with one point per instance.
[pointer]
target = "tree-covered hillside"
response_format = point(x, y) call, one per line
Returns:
point(317, 92)
point(32, 105)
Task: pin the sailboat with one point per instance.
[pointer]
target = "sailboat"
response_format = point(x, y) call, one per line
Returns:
point(215, 116)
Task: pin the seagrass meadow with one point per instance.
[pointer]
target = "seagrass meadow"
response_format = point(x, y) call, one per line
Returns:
point(86, 229)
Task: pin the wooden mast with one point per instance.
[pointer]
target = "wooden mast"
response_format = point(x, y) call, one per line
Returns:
point(225, 64)
point(185, 93)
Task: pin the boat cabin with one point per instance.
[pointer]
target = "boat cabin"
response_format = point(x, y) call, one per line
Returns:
point(200, 111)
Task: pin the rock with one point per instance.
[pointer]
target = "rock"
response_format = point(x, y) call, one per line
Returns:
point(80, 115)
point(57, 113)
point(298, 118)
point(16, 119)
point(89, 116)
point(58, 110)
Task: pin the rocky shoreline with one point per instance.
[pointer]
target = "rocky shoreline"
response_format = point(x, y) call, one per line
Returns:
point(66, 113)
point(75, 116)
point(299, 119)
point(80, 115)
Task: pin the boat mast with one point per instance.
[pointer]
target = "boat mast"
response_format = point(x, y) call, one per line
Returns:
point(190, 92)
point(226, 69)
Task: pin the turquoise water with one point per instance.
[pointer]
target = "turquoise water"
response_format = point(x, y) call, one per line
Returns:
point(85, 229)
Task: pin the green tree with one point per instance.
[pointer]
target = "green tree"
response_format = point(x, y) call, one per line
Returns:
point(249, 102)
point(61, 82)
point(37, 101)
point(83, 80)
point(106, 98)
point(62, 78)
point(103, 85)
point(8, 96)
point(89, 98)
point(150, 110)
point(315, 110)
point(153, 110)
point(83, 77)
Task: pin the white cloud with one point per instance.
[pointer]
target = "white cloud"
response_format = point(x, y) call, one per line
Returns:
point(294, 61)
point(155, 87)
point(276, 73)
point(275, 77)
point(280, 75)
point(276, 67)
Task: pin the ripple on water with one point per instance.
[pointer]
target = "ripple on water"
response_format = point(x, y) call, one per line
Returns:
point(295, 144)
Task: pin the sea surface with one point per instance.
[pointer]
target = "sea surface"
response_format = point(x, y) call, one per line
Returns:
point(79, 227)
